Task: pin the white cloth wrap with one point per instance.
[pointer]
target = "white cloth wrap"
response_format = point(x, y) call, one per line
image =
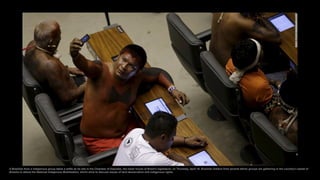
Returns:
point(237, 75)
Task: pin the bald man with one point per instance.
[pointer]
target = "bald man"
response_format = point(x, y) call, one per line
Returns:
point(229, 28)
point(65, 85)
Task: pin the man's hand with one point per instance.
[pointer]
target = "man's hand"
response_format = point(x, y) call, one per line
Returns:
point(196, 141)
point(180, 97)
point(75, 47)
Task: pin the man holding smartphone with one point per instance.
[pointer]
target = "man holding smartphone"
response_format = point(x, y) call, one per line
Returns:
point(64, 84)
point(111, 90)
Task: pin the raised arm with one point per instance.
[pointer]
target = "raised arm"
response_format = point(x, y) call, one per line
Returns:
point(163, 78)
point(262, 29)
point(90, 68)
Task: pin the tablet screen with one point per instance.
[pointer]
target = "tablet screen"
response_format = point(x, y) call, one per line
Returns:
point(281, 22)
point(157, 105)
point(202, 158)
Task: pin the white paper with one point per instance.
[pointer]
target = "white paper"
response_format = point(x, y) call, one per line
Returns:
point(157, 105)
point(281, 22)
point(202, 158)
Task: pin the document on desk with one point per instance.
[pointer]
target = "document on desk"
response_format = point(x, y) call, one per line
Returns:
point(202, 158)
point(157, 105)
point(281, 22)
point(160, 105)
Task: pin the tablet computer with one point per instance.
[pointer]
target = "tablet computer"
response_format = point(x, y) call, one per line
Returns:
point(157, 105)
point(202, 158)
point(281, 21)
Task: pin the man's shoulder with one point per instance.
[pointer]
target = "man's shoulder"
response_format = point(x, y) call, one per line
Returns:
point(137, 131)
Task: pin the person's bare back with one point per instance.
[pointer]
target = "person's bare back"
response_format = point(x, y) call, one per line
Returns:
point(47, 69)
point(230, 28)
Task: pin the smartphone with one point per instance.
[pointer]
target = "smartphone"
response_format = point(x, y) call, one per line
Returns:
point(85, 38)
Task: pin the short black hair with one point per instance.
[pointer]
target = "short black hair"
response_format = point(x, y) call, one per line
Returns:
point(244, 53)
point(136, 51)
point(161, 122)
point(289, 89)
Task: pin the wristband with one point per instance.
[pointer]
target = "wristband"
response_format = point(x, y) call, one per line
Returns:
point(171, 88)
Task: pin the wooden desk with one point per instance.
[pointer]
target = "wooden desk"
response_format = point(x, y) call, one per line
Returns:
point(108, 43)
point(288, 38)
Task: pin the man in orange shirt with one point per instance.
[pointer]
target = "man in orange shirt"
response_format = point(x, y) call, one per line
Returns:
point(256, 89)
point(243, 70)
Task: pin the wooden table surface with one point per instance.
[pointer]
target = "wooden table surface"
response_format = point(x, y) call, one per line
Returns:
point(288, 38)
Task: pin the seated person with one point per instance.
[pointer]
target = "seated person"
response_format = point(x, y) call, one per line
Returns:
point(228, 28)
point(42, 62)
point(283, 111)
point(257, 93)
point(112, 88)
point(243, 70)
point(147, 147)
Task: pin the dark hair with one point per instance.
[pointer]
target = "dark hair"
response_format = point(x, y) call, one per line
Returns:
point(289, 89)
point(244, 53)
point(161, 122)
point(136, 51)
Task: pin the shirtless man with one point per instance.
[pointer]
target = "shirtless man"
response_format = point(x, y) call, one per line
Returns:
point(284, 112)
point(111, 90)
point(42, 62)
point(230, 28)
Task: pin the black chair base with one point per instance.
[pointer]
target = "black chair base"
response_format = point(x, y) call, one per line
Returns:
point(215, 114)
point(250, 155)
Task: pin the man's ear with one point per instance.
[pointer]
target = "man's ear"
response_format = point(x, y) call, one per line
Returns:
point(163, 136)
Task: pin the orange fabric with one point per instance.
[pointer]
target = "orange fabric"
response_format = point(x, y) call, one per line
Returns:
point(95, 145)
point(255, 87)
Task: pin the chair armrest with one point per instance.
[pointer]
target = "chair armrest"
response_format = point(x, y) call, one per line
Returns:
point(103, 158)
point(204, 36)
point(50, 117)
point(260, 120)
point(71, 109)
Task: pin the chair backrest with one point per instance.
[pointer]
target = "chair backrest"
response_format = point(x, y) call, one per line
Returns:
point(30, 88)
point(67, 143)
point(187, 46)
point(225, 94)
point(272, 146)
point(58, 134)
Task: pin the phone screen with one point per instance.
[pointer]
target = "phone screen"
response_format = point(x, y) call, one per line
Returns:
point(85, 38)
